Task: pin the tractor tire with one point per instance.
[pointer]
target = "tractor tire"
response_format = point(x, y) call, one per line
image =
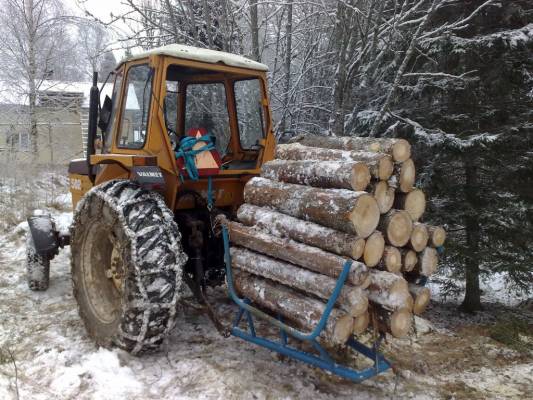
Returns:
point(37, 267)
point(127, 265)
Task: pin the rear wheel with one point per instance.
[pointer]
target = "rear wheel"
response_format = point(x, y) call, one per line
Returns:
point(127, 265)
point(37, 267)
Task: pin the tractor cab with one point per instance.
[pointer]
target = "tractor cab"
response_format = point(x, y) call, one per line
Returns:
point(185, 115)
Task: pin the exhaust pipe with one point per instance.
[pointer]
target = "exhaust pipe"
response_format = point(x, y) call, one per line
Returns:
point(94, 103)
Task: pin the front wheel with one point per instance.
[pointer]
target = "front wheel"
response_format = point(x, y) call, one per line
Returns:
point(127, 263)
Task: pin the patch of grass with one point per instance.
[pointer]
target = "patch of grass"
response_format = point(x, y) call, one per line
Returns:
point(514, 333)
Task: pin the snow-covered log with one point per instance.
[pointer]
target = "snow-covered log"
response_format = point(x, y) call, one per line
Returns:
point(399, 149)
point(389, 290)
point(437, 235)
point(352, 212)
point(413, 202)
point(384, 195)
point(308, 257)
point(421, 296)
point(282, 225)
point(323, 174)
point(396, 227)
point(403, 177)
point(374, 247)
point(409, 259)
point(351, 299)
point(392, 259)
point(304, 311)
point(380, 165)
point(419, 237)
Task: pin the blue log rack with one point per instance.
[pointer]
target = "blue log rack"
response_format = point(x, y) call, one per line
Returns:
point(322, 360)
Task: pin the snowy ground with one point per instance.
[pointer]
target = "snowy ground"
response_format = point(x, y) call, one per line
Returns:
point(56, 360)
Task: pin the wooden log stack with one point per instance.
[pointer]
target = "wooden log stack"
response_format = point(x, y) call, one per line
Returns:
point(323, 201)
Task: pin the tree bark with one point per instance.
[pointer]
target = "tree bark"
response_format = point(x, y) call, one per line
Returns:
point(324, 174)
point(374, 248)
point(305, 312)
point(389, 290)
point(413, 202)
point(288, 60)
point(396, 227)
point(312, 234)
point(254, 30)
point(351, 212)
point(421, 295)
point(399, 149)
point(310, 258)
point(419, 237)
point(384, 195)
point(380, 165)
point(351, 299)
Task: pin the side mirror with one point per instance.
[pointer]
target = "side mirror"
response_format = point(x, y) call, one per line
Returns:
point(105, 114)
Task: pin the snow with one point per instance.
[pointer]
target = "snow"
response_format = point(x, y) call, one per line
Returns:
point(204, 55)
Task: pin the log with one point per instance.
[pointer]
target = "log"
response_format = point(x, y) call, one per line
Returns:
point(399, 149)
point(419, 237)
point(409, 259)
point(351, 299)
point(360, 323)
point(403, 177)
point(437, 235)
point(351, 212)
point(421, 295)
point(312, 234)
point(305, 312)
point(308, 257)
point(428, 261)
point(392, 260)
point(398, 323)
point(374, 247)
point(384, 195)
point(413, 202)
point(396, 227)
point(389, 290)
point(380, 165)
point(324, 174)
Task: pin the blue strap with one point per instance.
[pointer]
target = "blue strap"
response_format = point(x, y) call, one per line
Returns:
point(188, 154)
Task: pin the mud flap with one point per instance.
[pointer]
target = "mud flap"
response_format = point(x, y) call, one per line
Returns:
point(45, 237)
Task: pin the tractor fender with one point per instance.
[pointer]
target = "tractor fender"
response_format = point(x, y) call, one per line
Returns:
point(45, 236)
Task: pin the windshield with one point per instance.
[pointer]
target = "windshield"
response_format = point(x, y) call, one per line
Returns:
point(250, 112)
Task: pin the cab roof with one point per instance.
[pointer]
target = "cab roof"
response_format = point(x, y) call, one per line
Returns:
point(203, 55)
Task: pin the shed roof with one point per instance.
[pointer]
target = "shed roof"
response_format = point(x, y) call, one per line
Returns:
point(203, 55)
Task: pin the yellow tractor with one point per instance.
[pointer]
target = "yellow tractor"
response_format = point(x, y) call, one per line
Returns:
point(182, 133)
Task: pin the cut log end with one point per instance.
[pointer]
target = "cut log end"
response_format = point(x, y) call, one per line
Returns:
point(374, 247)
point(358, 248)
point(428, 261)
point(384, 195)
point(422, 296)
point(392, 259)
point(400, 323)
point(385, 168)
point(360, 178)
point(365, 215)
point(343, 329)
point(437, 236)
point(415, 204)
point(401, 150)
point(409, 260)
point(397, 227)
point(407, 176)
point(361, 323)
point(419, 237)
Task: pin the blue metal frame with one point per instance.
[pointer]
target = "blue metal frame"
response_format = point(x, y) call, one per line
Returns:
point(323, 360)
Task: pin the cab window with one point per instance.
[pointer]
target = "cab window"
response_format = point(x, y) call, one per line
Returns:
point(250, 113)
point(136, 107)
point(113, 119)
point(206, 107)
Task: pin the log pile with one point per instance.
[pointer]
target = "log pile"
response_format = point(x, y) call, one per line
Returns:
point(323, 201)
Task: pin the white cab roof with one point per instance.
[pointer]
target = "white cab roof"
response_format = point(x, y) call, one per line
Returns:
point(203, 55)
